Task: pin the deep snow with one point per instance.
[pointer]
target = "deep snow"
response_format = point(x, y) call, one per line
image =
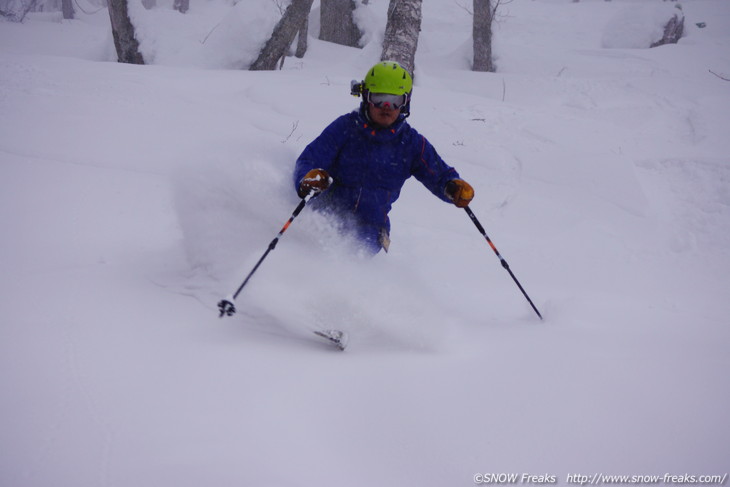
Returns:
point(133, 198)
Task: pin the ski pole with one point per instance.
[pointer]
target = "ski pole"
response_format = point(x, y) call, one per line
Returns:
point(501, 259)
point(226, 305)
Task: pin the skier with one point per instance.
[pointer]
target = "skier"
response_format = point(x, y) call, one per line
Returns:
point(359, 163)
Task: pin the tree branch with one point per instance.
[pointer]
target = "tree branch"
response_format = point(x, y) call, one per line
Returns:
point(721, 77)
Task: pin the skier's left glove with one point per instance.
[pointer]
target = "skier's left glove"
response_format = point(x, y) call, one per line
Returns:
point(460, 192)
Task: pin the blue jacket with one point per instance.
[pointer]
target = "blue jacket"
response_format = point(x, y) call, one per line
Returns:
point(369, 166)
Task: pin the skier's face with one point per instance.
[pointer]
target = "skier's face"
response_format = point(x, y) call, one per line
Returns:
point(384, 116)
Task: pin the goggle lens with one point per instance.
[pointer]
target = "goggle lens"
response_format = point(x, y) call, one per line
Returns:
point(386, 100)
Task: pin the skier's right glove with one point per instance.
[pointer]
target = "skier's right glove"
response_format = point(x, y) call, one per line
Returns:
point(314, 182)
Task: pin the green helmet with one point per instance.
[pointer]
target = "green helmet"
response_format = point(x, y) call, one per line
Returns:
point(388, 77)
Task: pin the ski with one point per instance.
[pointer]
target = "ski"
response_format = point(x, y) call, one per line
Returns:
point(335, 337)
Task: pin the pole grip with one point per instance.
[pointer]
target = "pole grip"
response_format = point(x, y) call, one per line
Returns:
point(475, 221)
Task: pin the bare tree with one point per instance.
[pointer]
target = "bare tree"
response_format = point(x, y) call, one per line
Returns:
point(181, 6)
point(28, 8)
point(482, 35)
point(401, 33)
point(283, 36)
point(67, 9)
point(123, 32)
point(337, 24)
point(302, 39)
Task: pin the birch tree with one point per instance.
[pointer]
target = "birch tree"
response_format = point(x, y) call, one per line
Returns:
point(401, 33)
point(302, 39)
point(25, 10)
point(123, 31)
point(284, 33)
point(336, 22)
point(67, 9)
point(482, 35)
point(181, 6)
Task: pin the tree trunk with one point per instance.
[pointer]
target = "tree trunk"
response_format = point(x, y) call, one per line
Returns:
point(482, 35)
point(181, 6)
point(401, 33)
point(302, 39)
point(337, 24)
point(123, 32)
point(283, 36)
point(67, 9)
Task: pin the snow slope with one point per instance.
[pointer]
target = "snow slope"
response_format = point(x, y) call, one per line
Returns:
point(133, 198)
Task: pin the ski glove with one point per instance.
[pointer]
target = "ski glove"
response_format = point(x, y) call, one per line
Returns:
point(460, 192)
point(315, 181)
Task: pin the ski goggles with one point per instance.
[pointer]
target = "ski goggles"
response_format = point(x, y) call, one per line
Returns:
point(386, 100)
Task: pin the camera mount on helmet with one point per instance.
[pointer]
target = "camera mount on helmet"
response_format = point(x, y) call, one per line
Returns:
point(357, 87)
